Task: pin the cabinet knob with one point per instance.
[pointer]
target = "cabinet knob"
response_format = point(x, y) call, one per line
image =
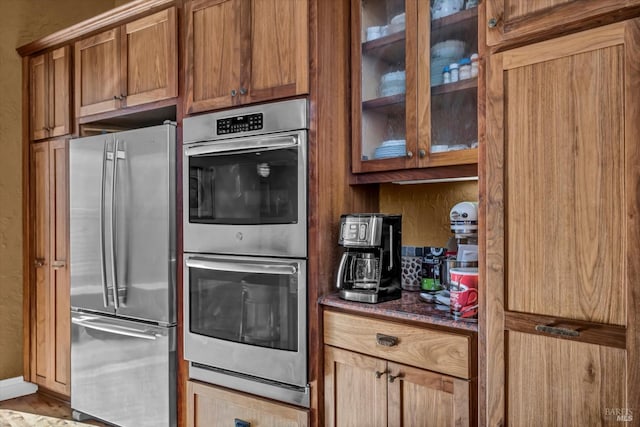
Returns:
point(39, 262)
point(243, 91)
point(122, 96)
point(116, 97)
point(492, 22)
point(234, 92)
point(422, 153)
point(392, 378)
point(380, 373)
point(410, 154)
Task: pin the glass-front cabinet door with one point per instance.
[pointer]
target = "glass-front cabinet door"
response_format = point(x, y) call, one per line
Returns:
point(384, 93)
point(404, 114)
point(448, 82)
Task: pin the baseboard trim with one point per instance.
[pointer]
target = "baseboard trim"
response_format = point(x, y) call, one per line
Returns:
point(16, 387)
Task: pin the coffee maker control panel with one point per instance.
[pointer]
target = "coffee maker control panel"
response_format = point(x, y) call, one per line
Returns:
point(360, 230)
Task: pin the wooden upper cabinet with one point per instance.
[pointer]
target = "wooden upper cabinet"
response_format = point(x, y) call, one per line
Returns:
point(50, 102)
point(520, 20)
point(97, 74)
point(279, 50)
point(244, 51)
point(127, 66)
point(149, 61)
point(213, 53)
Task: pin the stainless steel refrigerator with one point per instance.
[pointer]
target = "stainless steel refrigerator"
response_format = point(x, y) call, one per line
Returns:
point(123, 277)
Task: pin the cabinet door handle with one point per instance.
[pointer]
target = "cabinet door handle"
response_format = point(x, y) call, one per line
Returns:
point(241, 423)
point(422, 153)
point(58, 264)
point(39, 262)
point(243, 91)
point(565, 332)
point(392, 378)
point(492, 23)
point(410, 154)
point(386, 340)
point(381, 373)
point(234, 92)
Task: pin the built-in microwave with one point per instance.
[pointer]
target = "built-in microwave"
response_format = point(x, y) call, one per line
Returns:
point(245, 181)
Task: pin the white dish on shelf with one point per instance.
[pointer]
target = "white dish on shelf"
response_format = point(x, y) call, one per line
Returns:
point(393, 142)
point(457, 147)
point(439, 148)
point(393, 76)
point(398, 19)
point(442, 8)
point(450, 49)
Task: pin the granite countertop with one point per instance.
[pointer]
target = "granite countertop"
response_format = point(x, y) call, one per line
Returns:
point(408, 307)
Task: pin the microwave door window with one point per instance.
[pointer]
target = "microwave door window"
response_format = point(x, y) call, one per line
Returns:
point(245, 188)
point(248, 308)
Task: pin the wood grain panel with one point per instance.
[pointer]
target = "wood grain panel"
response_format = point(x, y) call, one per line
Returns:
point(38, 102)
point(213, 54)
point(524, 22)
point(423, 348)
point(151, 58)
point(278, 55)
point(422, 398)
point(60, 91)
point(632, 209)
point(97, 73)
point(565, 213)
point(60, 357)
point(355, 389)
point(552, 381)
point(518, 8)
point(210, 406)
point(491, 312)
point(40, 214)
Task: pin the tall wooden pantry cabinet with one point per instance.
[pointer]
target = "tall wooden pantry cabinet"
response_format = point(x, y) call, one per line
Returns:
point(562, 186)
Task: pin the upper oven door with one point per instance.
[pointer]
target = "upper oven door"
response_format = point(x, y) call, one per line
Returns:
point(247, 315)
point(247, 195)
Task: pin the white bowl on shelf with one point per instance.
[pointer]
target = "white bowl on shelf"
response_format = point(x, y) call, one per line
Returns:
point(442, 8)
point(449, 49)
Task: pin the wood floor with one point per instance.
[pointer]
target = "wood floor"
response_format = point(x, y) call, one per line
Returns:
point(42, 404)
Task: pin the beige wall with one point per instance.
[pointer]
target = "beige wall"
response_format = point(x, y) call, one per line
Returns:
point(21, 21)
point(425, 209)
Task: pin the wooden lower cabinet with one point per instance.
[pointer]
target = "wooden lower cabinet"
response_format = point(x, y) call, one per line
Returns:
point(210, 406)
point(50, 330)
point(362, 390)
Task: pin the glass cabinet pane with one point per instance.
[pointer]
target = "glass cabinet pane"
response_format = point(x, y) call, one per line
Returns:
point(383, 74)
point(453, 73)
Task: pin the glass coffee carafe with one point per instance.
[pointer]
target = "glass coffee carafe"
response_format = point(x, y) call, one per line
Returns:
point(365, 270)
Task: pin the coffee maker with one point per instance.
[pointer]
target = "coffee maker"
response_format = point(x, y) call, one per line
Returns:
point(369, 269)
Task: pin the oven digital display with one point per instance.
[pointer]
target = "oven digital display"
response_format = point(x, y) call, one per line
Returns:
point(237, 124)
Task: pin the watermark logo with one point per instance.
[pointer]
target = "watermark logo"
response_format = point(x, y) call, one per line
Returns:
point(623, 415)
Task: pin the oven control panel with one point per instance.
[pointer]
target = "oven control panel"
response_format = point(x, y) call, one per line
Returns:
point(248, 122)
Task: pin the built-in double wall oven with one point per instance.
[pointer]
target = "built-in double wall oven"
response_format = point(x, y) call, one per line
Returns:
point(245, 249)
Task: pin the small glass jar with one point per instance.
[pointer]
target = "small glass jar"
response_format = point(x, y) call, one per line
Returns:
point(446, 75)
point(465, 69)
point(454, 70)
point(474, 65)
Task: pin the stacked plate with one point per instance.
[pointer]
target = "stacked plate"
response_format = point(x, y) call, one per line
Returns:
point(391, 148)
point(393, 83)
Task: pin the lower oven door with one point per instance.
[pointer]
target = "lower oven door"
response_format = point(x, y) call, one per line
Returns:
point(247, 315)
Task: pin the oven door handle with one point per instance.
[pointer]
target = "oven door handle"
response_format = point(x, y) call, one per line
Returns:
point(241, 267)
point(243, 145)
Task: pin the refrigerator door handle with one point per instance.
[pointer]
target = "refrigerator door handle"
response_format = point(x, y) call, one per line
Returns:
point(118, 330)
point(114, 181)
point(103, 266)
point(242, 267)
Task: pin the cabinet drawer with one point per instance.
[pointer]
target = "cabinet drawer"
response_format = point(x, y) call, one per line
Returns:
point(424, 348)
